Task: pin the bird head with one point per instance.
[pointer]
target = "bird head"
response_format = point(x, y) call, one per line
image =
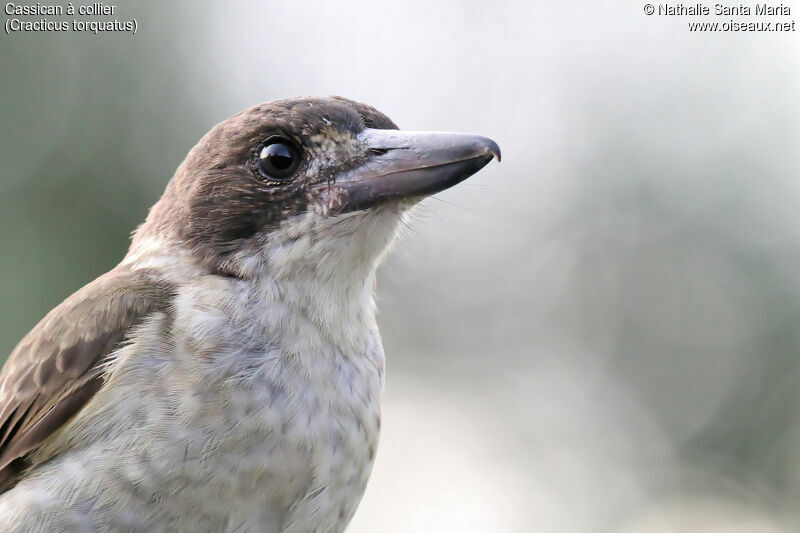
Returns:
point(305, 178)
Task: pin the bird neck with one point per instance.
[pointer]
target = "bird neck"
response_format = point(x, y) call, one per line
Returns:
point(326, 267)
point(319, 268)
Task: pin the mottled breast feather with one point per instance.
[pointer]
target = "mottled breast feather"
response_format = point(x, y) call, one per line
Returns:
point(55, 369)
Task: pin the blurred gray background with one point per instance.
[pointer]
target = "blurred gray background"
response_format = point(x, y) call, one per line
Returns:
point(602, 333)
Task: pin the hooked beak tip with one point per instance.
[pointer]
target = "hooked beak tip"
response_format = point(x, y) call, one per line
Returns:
point(494, 149)
point(407, 164)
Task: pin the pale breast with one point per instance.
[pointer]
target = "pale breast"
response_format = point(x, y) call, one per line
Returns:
point(297, 413)
point(237, 412)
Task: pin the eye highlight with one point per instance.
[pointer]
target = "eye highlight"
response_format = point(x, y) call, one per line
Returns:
point(278, 159)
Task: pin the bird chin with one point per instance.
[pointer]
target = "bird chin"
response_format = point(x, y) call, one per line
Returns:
point(333, 203)
point(331, 242)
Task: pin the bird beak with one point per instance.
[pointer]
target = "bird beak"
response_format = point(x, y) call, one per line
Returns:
point(407, 164)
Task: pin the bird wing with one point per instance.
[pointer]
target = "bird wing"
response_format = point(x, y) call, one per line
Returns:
point(55, 369)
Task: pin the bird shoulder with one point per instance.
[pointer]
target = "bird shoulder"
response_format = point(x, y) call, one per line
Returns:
point(57, 368)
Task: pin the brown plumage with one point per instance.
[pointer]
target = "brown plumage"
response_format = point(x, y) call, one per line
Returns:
point(226, 375)
point(215, 204)
point(54, 370)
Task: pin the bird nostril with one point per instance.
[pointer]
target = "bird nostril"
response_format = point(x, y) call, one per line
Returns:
point(378, 151)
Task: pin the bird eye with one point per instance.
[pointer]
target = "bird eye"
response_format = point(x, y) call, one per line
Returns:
point(278, 159)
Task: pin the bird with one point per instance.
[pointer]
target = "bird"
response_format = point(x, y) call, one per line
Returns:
point(226, 375)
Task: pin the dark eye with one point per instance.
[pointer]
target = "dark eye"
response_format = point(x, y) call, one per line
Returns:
point(278, 159)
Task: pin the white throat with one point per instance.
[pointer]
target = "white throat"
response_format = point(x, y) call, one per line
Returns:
point(324, 268)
